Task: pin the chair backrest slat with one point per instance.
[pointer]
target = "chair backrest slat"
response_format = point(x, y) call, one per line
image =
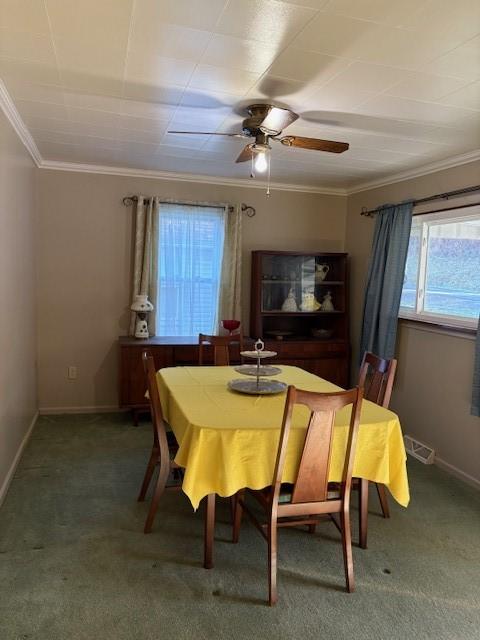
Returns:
point(311, 483)
point(376, 377)
point(220, 344)
point(312, 478)
point(159, 429)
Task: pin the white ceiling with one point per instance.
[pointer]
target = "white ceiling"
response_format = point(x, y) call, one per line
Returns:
point(101, 81)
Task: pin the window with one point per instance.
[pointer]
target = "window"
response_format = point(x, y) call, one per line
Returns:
point(442, 273)
point(189, 266)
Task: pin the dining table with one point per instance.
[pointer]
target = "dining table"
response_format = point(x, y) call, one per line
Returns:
point(228, 441)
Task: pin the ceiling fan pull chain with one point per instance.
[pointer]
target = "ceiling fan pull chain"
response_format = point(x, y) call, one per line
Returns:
point(252, 170)
point(269, 157)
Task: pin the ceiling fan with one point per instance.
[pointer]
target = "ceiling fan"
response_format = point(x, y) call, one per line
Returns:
point(266, 123)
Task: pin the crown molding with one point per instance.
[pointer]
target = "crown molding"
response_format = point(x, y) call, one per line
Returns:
point(185, 177)
point(433, 167)
point(418, 172)
point(10, 111)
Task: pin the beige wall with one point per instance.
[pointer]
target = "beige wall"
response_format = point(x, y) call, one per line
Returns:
point(18, 401)
point(433, 388)
point(84, 263)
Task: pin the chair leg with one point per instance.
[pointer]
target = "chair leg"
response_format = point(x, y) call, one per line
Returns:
point(148, 475)
point(237, 516)
point(209, 531)
point(363, 511)
point(347, 549)
point(159, 489)
point(272, 564)
point(382, 496)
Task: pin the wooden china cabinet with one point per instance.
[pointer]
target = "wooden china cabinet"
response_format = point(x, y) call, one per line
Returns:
point(299, 307)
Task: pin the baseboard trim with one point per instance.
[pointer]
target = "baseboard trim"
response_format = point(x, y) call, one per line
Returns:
point(16, 460)
point(53, 411)
point(458, 473)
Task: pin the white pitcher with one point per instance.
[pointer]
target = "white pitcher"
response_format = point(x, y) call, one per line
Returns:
point(321, 271)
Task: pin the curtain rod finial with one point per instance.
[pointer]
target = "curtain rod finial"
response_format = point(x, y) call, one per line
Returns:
point(250, 211)
point(366, 212)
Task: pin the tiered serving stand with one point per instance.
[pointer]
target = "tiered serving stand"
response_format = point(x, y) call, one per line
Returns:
point(257, 386)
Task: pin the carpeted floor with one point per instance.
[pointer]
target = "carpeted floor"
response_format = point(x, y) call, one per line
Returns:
point(74, 563)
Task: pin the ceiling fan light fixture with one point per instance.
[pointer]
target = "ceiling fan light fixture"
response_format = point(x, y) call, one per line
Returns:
point(261, 162)
point(262, 157)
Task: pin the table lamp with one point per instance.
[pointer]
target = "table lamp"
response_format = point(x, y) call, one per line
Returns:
point(141, 305)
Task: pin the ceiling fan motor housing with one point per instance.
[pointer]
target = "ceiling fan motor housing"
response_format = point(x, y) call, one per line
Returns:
point(251, 126)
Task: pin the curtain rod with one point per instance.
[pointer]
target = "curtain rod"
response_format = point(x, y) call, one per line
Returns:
point(438, 196)
point(245, 208)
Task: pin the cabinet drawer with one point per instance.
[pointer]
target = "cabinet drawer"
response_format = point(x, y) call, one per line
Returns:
point(185, 355)
point(132, 377)
point(306, 350)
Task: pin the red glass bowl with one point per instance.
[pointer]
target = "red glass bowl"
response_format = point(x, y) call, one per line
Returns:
point(230, 325)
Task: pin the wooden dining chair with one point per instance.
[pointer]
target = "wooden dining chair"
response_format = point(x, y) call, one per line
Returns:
point(220, 344)
point(309, 496)
point(376, 379)
point(162, 452)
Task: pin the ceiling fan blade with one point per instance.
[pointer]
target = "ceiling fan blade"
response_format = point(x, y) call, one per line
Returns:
point(315, 144)
point(209, 133)
point(277, 119)
point(246, 154)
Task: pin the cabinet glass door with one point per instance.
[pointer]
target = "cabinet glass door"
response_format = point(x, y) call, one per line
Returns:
point(286, 281)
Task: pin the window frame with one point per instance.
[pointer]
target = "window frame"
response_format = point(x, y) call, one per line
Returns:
point(223, 210)
point(427, 220)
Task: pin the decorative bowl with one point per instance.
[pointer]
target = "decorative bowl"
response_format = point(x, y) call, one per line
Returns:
point(230, 325)
point(280, 335)
point(322, 333)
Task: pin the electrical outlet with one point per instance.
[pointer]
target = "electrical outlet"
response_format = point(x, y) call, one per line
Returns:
point(72, 373)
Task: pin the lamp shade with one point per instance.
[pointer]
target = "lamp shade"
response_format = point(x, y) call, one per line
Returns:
point(141, 304)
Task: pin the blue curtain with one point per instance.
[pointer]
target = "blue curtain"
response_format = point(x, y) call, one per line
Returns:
point(476, 377)
point(385, 279)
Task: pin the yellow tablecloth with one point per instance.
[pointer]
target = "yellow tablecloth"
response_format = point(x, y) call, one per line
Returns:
point(228, 441)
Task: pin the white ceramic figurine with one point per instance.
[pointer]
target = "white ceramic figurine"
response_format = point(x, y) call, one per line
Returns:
point(309, 302)
point(327, 304)
point(290, 304)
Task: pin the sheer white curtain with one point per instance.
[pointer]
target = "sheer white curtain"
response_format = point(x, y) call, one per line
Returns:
point(191, 246)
